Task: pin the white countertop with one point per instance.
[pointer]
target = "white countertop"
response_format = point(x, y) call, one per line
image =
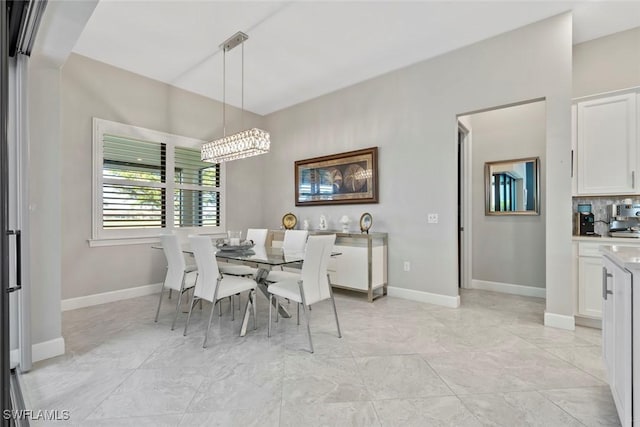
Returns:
point(625, 256)
point(607, 239)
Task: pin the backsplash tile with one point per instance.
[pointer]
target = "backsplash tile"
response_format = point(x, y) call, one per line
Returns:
point(599, 209)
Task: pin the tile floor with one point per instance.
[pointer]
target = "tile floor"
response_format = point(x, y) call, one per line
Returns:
point(399, 363)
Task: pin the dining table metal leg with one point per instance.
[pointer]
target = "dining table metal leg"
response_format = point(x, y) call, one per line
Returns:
point(245, 318)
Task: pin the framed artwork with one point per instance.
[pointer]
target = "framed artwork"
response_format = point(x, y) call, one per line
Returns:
point(344, 178)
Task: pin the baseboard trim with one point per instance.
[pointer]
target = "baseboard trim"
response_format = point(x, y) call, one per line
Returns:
point(421, 296)
point(105, 297)
point(559, 321)
point(42, 350)
point(588, 322)
point(509, 288)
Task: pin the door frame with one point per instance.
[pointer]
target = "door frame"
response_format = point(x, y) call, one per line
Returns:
point(465, 176)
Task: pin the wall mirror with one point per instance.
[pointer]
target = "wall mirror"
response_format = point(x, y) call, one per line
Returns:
point(512, 187)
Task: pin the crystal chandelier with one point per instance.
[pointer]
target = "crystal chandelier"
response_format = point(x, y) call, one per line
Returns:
point(242, 144)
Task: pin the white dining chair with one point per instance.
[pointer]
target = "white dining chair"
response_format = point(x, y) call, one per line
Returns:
point(314, 285)
point(294, 242)
point(259, 238)
point(179, 277)
point(212, 286)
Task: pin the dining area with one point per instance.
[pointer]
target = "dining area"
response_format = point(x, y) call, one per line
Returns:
point(226, 271)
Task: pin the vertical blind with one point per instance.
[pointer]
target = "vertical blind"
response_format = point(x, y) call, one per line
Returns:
point(135, 187)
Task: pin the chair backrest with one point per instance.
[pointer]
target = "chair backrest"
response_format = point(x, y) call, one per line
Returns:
point(294, 240)
point(257, 235)
point(314, 269)
point(208, 272)
point(175, 261)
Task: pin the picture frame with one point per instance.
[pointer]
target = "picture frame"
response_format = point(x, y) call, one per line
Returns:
point(345, 178)
point(366, 221)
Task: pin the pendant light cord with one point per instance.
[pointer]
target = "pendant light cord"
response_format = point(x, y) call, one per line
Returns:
point(242, 91)
point(224, 100)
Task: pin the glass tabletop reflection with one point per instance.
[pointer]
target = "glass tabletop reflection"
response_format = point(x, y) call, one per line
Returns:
point(262, 255)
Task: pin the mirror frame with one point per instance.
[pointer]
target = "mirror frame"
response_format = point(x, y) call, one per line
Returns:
point(487, 187)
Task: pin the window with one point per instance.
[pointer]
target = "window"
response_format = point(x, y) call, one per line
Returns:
point(147, 181)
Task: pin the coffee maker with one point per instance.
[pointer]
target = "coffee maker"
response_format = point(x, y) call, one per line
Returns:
point(584, 221)
point(624, 220)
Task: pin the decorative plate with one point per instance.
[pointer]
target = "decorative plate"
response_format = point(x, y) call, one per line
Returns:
point(289, 221)
point(366, 220)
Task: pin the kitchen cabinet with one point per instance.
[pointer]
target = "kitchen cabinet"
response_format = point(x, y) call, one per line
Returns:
point(587, 272)
point(619, 341)
point(606, 146)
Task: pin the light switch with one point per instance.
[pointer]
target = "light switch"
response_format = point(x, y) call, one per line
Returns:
point(432, 218)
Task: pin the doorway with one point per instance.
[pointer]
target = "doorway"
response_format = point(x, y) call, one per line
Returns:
point(503, 253)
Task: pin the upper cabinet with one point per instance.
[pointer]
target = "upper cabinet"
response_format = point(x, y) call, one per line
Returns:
point(606, 154)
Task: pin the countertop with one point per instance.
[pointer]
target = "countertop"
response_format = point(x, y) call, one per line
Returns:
point(625, 256)
point(607, 239)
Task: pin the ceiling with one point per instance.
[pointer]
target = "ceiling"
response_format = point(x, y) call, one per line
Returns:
point(303, 49)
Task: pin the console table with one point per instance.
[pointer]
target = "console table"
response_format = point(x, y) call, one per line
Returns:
point(362, 265)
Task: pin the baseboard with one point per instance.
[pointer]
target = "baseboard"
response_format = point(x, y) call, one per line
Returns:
point(559, 321)
point(589, 322)
point(43, 350)
point(413, 295)
point(508, 288)
point(105, 297)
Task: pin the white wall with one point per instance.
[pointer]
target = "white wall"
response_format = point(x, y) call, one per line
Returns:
point(94, 89)
point(607, 64)
point(411, 115)
point(508, 249)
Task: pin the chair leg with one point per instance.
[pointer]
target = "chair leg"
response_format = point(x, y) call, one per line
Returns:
point(335, 312)
point(306, 314)
point(191, 304)
point(269, 324)
point(206, 335)
point(159, 302)
point(175, 316)
point(170, 290)
point(298, 313)
point(277, 309)
point(254, 300)
point(306, 318)
point(233, 312)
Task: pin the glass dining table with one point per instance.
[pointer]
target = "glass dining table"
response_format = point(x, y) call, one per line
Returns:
point(264, 258)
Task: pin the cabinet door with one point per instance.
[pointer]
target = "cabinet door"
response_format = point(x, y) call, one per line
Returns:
point(590, 286)
point(617, 338)
point(607, 154)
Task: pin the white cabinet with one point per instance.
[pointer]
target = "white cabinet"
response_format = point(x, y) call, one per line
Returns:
point(617, 338)
point(361, 265)
point(606, 145)
point(587, 265)
point(589, 286)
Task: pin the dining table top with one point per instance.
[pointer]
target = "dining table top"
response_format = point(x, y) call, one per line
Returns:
point(262, 255)
point(257, 254)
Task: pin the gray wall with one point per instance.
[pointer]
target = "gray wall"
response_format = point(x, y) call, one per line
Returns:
point(411, 115)
point(44, 176)
point(606, 64)
point(508, 249)
point(94, 89)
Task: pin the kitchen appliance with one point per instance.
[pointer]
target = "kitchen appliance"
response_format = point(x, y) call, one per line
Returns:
point(584, 222)
point(624, 220)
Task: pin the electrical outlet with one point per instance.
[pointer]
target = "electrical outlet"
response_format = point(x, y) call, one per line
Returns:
point(432, 218)
point(407, 266)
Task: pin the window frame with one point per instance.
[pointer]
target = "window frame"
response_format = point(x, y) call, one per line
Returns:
point(107, 237)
